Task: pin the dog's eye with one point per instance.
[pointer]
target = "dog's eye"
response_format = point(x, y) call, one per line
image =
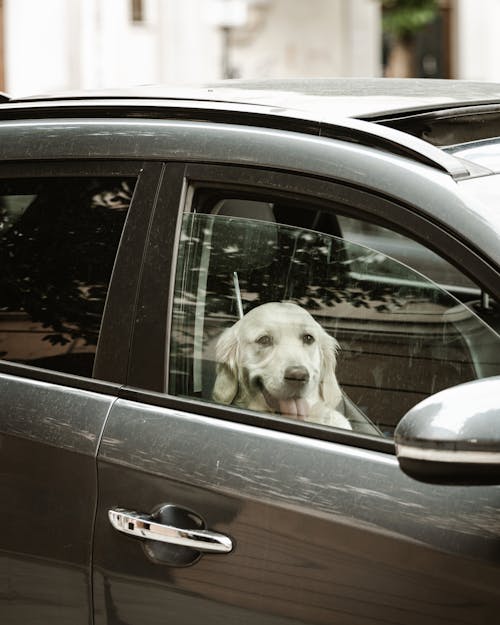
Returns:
point(308, 339)
point(265, 340)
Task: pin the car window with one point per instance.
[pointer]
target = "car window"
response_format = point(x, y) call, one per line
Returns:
point(58, 241)
point(401, 336)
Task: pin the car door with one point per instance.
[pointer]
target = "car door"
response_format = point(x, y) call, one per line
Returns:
point(270, 519)
point(60, 231)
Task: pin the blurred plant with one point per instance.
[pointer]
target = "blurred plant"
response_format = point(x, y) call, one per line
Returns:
point(402, 18)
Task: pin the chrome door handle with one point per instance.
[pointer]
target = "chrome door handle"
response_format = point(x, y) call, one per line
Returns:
point(144, 526)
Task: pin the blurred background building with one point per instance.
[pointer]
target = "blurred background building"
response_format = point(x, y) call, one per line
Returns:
point(54, 45)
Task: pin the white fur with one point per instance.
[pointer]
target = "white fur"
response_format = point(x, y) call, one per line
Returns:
point(251, 369)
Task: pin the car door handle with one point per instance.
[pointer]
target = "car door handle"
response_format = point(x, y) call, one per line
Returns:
point(143, 526)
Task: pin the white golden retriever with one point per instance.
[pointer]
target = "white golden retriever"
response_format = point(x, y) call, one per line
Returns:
point(278, 359)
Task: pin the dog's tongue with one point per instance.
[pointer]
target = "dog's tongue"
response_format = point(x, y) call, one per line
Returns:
point(294, 407)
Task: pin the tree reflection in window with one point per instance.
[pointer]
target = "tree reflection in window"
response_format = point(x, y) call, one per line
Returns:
point(58, 241)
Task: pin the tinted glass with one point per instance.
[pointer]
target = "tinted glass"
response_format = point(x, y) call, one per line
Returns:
point(58, 241)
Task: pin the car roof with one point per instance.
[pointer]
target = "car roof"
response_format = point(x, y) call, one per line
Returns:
point(367, 98)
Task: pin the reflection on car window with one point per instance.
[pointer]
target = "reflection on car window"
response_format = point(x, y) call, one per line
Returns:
point(397, 246)
point(58, 241)
point(401, 339)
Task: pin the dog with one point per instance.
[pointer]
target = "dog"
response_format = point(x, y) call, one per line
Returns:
point(278, 359)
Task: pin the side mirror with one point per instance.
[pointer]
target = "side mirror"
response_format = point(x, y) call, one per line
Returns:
point(453, 437)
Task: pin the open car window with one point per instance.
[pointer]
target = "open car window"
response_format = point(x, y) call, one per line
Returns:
point(402, 337)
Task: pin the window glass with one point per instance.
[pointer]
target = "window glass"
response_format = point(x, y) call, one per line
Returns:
point(58, 241)
point(402, 337)
point(411, 253)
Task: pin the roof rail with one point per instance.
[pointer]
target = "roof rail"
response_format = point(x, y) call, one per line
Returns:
point(353, 130)
point(4, 97)
point(396, 142)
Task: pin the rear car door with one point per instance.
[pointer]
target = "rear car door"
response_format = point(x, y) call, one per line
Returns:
point(289, 521)
point(60, 230)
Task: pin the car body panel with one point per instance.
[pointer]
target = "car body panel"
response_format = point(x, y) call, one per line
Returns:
point(48, 441)
point(318, 538)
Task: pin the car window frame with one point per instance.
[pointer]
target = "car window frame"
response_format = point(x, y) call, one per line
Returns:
point(148, 374)
point(113, 348)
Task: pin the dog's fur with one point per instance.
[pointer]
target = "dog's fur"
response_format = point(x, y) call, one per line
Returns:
point(278, 359)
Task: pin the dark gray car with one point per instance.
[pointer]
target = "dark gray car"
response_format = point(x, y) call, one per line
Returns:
point(136, 229)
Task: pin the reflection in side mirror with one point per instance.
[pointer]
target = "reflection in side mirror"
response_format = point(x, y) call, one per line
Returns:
point(453, 437)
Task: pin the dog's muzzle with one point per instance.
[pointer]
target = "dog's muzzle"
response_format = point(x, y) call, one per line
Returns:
point(294, 378)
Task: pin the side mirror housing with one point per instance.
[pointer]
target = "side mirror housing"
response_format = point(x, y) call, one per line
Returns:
point(453, 437)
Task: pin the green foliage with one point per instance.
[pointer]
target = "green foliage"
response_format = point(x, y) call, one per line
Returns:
point(402, 18)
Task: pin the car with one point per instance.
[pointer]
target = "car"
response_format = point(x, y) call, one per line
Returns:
point(138, 227)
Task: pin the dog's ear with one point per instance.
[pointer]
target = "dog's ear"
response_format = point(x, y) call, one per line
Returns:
point(226, 382)
point(329, 387)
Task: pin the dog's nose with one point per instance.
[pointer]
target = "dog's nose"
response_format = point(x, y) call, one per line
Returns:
point(297, 375)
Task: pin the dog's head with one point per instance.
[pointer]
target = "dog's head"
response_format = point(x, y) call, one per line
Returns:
point(276, 358)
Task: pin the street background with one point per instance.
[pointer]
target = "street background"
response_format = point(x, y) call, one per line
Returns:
point(60, 45)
